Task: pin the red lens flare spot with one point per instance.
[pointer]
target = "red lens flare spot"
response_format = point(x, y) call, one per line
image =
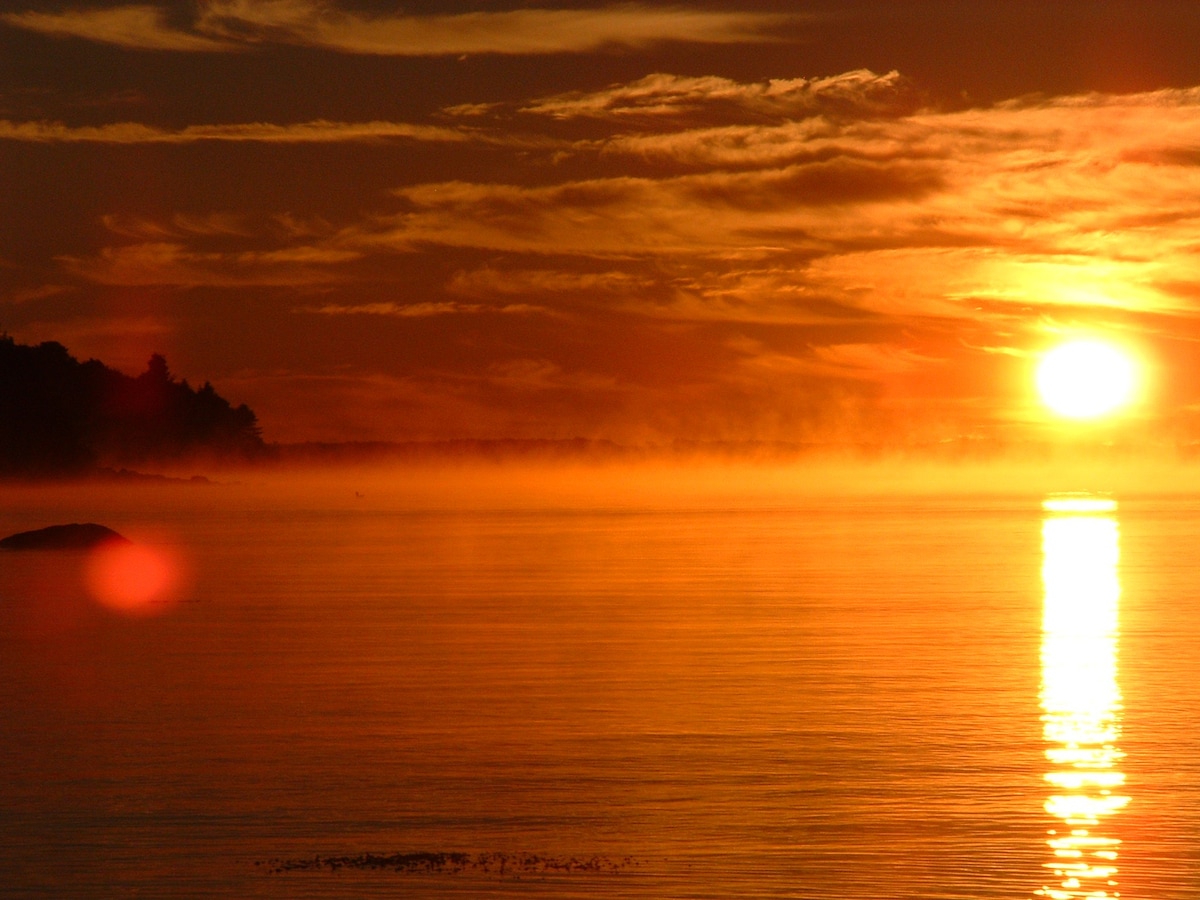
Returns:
point(134, 578)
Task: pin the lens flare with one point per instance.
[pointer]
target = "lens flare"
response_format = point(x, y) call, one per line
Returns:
point(134, 578)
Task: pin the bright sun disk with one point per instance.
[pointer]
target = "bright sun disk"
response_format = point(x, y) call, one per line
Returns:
point(1084, 379)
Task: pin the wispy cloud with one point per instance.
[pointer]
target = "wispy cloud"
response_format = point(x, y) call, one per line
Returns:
point(316, 132)
point(41, 292)
point(223, 25)
point(135, 27)
point(658, 96)
point(870, 360)
point(521, 31)
point(830, 242)
point(180, 226)
point(490, 281)
point(414, 310)
point(758, 212)
point(1075, 203)
point(155, 263)
point(540, 375)
point(1078, 203)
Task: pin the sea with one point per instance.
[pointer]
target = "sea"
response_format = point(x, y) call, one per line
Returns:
point(412, 684)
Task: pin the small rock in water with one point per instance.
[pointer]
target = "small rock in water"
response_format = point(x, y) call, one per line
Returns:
point(63, 537)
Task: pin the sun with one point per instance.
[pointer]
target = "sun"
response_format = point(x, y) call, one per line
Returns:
point(1086, 378)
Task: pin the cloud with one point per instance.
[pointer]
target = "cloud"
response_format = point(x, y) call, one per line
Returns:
point(224, 25)
point(718, 214)
point(872, 360)
point(529, 374)
point(747, 146)
point(726, 259)
point(490, 281)
point(180, 226)
point(780, 294)
point(135, 27)
point(514, 32)
point(32, 294)
point(414, 310)
point(660, 96)
point(692, 294)
point(1077, 204)
point(315, 132)
point(152, 263)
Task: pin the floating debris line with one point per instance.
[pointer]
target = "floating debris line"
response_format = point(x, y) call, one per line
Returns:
point(450, 863)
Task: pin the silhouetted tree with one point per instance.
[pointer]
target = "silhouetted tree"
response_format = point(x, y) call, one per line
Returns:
point(60, 415)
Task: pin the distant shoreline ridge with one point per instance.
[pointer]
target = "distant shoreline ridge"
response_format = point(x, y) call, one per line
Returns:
point(582, 451)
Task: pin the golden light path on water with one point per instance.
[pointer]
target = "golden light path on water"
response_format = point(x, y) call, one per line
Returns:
point(1081, 698)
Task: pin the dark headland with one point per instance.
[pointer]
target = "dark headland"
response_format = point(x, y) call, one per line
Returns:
point(60, 417)
point(75, 536)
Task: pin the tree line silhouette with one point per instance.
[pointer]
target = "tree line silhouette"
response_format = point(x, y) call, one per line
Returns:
point(58, 415)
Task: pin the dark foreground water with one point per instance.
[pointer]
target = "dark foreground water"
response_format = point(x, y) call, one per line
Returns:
point(888, 698)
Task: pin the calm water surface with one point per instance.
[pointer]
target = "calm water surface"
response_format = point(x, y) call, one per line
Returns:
point(890, 698)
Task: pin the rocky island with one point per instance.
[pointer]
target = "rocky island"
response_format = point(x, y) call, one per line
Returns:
point(75, 536)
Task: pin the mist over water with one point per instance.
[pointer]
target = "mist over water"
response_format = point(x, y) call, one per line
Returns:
point(808, 680)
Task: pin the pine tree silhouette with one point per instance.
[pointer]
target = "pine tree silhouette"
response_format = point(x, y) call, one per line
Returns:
point(58, 415)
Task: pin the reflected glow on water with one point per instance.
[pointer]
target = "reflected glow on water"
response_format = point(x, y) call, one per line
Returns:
point(1078, 503)
point(1081, 697)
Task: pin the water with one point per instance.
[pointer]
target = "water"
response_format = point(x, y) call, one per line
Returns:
point(806, 698)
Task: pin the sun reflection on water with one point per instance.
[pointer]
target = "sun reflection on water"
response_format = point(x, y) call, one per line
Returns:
point(1081, 698)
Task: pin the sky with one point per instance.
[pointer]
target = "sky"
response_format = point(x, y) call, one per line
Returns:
point(760, 221)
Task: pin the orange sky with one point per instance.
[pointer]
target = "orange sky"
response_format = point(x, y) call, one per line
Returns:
point(769, 221)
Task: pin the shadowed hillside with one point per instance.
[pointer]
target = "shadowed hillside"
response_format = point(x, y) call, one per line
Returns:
point(60, 416)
